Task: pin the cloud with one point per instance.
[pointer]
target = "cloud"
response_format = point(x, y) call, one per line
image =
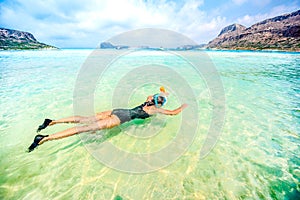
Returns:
point(248, 20)
point(79, 23)
point(259, 3)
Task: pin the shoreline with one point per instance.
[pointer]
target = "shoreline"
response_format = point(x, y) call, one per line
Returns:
point(202, 49)
point(254, 49)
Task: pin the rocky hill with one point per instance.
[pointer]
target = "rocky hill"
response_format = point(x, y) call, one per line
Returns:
point(280, 33)
point(108, 45)
point(233, 28)
point(13, 39)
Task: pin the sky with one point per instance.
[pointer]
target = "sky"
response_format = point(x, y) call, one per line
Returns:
point(87, 23)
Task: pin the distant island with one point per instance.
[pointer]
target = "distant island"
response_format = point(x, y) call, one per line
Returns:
point(278, 33)
point(19, 40)
point(108, 45)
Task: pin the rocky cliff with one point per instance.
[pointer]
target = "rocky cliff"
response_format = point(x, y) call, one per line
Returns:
point(13, 39)
point(108, 45)
point(280, 33)
point(233, 28)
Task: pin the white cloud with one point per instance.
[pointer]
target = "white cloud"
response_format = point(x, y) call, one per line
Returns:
point(79, 23)
point(86, 24)
point(259, 3)
point(193, 22)
point(249, 20)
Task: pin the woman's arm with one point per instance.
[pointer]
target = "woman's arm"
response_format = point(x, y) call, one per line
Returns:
point(172, 112)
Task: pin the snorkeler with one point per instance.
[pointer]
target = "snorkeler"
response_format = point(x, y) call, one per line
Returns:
point(107, 119)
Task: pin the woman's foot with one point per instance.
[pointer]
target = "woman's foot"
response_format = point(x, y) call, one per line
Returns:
point(36, 141)
point(44, 125)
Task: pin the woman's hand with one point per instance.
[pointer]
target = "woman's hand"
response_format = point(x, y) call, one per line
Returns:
point(183, 106)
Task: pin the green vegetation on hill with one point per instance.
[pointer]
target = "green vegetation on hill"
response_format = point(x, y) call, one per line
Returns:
point(19, 40)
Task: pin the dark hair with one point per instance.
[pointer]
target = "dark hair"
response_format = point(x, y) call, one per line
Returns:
point(160, 99)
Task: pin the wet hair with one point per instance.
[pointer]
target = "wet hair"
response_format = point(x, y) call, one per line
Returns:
point(157, 99)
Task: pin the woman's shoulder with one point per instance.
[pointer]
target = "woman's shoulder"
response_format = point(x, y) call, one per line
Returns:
point(151, 110)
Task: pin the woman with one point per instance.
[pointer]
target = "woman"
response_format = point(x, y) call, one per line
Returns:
point(107, 119)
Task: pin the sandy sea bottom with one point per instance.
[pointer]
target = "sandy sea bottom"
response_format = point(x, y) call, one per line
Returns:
point(256, 156)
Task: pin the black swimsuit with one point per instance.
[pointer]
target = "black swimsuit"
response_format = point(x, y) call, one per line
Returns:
point(126, 115)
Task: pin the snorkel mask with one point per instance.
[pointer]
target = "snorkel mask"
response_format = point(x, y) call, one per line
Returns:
point(160, 98)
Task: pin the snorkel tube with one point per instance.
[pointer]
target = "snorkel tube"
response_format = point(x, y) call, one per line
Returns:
point(162, 89)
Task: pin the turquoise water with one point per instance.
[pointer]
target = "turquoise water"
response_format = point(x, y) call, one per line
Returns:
point(256, 157)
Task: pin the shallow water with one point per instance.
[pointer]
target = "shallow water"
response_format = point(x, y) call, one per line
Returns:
point(256, 156)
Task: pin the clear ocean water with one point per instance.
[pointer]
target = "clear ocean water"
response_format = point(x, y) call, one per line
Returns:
point(256, 156)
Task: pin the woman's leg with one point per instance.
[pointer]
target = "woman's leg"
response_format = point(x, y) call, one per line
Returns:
point(103, 115)
point(81, 119)
point(108, 122)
